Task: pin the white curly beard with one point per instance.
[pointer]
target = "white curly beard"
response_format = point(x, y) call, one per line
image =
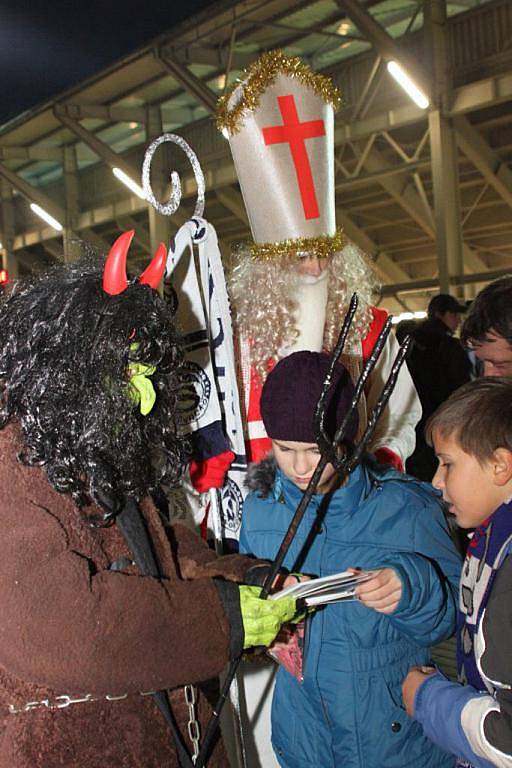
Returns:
point(309, 314)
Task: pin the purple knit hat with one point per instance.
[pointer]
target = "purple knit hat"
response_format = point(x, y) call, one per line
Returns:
point(292, 390)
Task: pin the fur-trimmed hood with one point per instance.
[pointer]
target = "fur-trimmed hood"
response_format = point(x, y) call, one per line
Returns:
point(260, 476)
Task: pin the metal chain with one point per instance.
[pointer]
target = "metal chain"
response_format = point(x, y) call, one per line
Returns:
point(65, 700)
point(194, 731)
point(61, 702)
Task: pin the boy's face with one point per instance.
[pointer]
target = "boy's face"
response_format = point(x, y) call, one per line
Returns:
point(472, 490)
point(298, 461)
point(495, 352)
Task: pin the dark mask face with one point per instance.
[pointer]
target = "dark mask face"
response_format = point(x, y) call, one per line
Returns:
point(141, 391)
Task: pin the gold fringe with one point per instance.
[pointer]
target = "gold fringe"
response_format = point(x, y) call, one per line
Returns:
point(321, 246)
point(259, 76)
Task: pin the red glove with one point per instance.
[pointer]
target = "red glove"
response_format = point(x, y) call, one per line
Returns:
point(210, 473)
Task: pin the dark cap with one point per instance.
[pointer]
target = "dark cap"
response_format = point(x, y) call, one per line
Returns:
point(442, 303)
point(292, 390)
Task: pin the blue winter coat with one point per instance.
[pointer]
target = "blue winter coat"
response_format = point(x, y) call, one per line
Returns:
point(348, 711)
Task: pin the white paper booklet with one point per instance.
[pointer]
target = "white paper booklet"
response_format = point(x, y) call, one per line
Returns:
point(326, 589)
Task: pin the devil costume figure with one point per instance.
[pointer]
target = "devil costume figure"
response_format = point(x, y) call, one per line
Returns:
point(85, 637)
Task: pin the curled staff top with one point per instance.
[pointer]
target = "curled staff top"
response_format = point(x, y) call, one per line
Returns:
point(169, 208)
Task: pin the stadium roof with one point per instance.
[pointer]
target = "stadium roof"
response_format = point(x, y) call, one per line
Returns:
point(426, 193)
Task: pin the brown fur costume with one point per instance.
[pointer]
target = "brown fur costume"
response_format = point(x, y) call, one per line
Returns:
point(72, 625)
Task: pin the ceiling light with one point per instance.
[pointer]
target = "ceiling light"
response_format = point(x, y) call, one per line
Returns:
point(403, 79)
point(132, 186)
point(46, 216)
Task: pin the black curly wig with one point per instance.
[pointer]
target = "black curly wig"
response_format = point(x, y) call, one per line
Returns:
point(64, 349)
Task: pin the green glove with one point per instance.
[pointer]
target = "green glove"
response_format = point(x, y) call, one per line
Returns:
point(262, 619)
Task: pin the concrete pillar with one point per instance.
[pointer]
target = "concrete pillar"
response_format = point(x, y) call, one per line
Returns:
point(9, 260)
point(443, 148)
point(447, 214)
point(70, 240)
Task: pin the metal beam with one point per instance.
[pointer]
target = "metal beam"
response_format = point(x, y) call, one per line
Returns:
point(71, 251)
point(409, 199)
point(383, 43)
point(104, 112)
point(398, 117)
point(215, 177)
point(115, 211)
point(452, 254)
point(403, 193)
point(112, 114)
point(92, 237)
point(481, 94)
point(34, 195)
point(98, 146)
point(110, 212)
point(414, 286)
point(188, 80)
point(141, 233)
point(9, 260)
point(207, 54)
point(232, 200)
point(34, 153)
point(435, 25)
point(488, 162)
point(33, 237)
point(364, 179)
point(386, 268)
point(467, 98)
point(55, 250)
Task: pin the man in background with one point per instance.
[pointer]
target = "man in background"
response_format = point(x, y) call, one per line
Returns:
point(487, 329)
point(438, 365)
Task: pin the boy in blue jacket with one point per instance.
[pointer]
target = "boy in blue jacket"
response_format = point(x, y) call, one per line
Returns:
point(472, 436)
point(347, 710)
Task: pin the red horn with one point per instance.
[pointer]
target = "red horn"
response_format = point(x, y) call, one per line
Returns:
point(114, 273)
point(155, 271)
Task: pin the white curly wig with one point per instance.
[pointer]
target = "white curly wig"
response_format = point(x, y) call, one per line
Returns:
point(263, 304)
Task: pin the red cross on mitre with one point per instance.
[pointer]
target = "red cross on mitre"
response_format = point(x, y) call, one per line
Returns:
point(295, 133)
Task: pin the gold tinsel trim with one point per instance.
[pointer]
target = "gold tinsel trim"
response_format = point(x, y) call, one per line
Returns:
point(321, 246)
point(259, 76)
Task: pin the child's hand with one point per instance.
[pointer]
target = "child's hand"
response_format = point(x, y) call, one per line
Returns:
point(288, 580)
point(382, 592)
point(415, 677)
point(285, 638)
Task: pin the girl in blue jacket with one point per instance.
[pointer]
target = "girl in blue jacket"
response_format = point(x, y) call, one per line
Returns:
point(346, 709)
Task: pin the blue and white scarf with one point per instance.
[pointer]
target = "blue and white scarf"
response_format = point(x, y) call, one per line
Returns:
point(209, 405)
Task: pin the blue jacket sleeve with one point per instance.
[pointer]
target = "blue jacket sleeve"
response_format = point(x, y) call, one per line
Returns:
point(430, 577)
point(244, 543)
point(438, 706)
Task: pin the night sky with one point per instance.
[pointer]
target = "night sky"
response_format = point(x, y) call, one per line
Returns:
point(46, 47)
